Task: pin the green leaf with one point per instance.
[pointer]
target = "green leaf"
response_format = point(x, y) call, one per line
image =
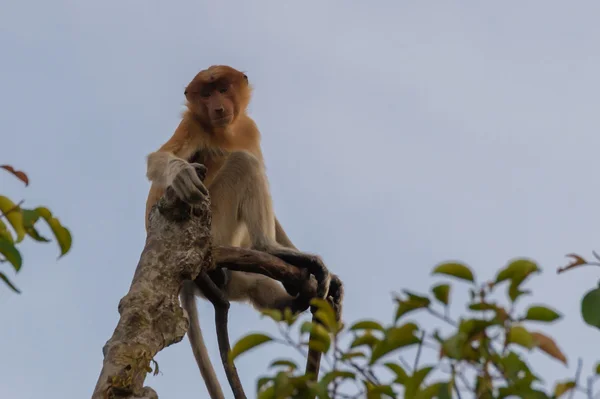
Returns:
point(520, 336)
point(281, 383)
point(516, 271)
point(11, 253)
point(246, 343)
point(7, 282)
point(306, 327)
point(61, 233)
point(318, 345)
point(13, 213)
point(598, 368)
point(289, 317)
point(541, 313)
point(401, 375)
point(5, 233)
point(414, 382)
point(444, 391)
point(366, 325)
point(319, 338)
point(415, 297)
point(395, 338)
point(473, 327)
point(284, 363)
point(442, 293)
point(274, 314)
point(590, 308)
point(325, 314)
point(261, 383)
point(514, 292)
point(366, 339)
point(454, 269)
point(29, 219)
point(453, 347)
point(413, 302)
point(481, 306)
point(375, 391)
point(563, 387)
point(268, 393)
point(336, 374)
point(439, 390)
point(515, 368)
point(351, 355)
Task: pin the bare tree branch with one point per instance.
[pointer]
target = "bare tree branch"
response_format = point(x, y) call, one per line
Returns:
point(177, 248)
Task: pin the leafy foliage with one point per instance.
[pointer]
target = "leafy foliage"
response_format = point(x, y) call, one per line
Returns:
point(24, 223)
point(482, 354)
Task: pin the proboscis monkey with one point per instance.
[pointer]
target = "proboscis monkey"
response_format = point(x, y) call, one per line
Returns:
point(216, 132)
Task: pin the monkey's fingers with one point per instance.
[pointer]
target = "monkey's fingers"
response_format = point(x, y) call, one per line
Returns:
point(195, 180)
point(200, 170)
point(189, 187)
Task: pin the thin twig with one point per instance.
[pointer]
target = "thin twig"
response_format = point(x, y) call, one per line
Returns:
point(442, 317)
point(419, 351)
point(371, 378)
point(455, 385)
point(577, 376)
point(405, 363)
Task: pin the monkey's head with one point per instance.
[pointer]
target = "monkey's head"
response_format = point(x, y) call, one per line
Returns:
point(218, 95)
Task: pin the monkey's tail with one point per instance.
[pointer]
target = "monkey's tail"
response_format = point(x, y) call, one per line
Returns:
point(188, 301)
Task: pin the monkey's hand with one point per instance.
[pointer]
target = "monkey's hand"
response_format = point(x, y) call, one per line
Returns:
point(187, 181)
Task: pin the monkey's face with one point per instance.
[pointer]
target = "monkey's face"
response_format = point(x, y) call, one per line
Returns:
point(218, 100)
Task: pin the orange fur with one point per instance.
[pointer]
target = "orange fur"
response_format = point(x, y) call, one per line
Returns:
point(195, 131)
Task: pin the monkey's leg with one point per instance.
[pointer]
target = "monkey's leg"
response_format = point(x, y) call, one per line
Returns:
point(221, 305)
point(265, 292)
point(240, 193)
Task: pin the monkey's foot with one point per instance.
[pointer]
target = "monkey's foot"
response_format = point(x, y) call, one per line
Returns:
point(335, 296)
point(312, 263)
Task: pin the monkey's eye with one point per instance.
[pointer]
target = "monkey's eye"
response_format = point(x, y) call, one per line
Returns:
point(223, 90)
point(205, 93)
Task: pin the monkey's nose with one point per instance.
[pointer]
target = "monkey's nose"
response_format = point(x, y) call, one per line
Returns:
point(219, 111)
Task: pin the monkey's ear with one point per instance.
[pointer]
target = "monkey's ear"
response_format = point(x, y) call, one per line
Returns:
point(185, 92)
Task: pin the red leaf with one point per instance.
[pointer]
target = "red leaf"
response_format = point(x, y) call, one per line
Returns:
point(19, 174)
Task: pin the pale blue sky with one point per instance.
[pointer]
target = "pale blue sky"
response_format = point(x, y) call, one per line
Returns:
point(426, 131)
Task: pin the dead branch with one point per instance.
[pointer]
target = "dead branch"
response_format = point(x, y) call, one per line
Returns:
point(177, 248)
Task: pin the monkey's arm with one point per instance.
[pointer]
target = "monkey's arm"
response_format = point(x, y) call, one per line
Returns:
point(281, 237)
point(171, 158)
point(168, 167)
